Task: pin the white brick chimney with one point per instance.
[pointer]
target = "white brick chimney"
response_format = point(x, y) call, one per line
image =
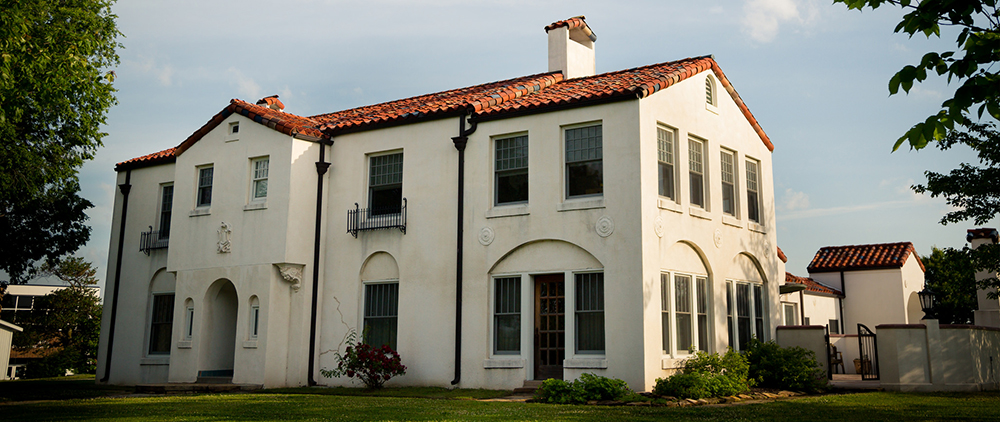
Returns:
point(571, 48)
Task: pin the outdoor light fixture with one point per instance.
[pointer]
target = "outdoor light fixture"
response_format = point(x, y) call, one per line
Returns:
point(926, 302)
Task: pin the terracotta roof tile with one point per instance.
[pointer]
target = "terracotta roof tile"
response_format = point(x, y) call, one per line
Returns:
point(982, 233)
point(863, 257)
point(166, 156)
point(781, 255)
point(571, 23)
point(812, 285)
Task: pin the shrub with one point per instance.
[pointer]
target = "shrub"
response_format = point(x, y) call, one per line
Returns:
point(372, 365)
point(707, 375)
point(791, 368)
point(587, 387)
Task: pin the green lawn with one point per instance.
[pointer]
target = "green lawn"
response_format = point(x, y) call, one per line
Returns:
point(269, 406)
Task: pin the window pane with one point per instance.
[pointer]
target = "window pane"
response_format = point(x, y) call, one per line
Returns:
point(260, 170)
point(161, 324)
point(665, 155)
point(590, 312)
point(682, 304)
point(665, 312)
point(703, 327)
point(753, 200)
point(728, 183)
point(834, 326)
point(166, 204)
point(584, 144)
point(512, 187)
point(743, 314)
point(205, 186)
point(507, 315)
point(585, 178)
point(789, 314)
point(729, 314)
point(512, 153)
point(385, 193)
point(381, 303)
point(760, 330)
point(584, 154)
point(696, 170)
point(511, 164)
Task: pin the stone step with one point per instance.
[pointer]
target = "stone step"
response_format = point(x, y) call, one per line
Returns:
point(194, 388)
point(529, 387)
point(214, 380)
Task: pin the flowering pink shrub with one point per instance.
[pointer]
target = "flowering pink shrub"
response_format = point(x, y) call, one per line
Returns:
point(372, 365)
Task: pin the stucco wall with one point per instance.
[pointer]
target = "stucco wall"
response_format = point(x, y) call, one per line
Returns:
point(928, 357)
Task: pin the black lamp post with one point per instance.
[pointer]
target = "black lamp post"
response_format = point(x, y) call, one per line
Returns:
point(927, 302)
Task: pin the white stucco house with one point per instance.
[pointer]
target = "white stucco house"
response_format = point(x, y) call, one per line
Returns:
point(988, 312)
point(812, 303)
point(537, 227)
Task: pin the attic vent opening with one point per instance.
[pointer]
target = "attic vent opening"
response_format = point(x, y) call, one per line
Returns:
point(709, 90)
point(234, 128)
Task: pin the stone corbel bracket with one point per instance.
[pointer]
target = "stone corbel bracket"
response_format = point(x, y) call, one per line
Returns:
point(291, 273)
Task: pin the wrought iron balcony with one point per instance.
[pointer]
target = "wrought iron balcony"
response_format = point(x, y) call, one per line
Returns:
point(152, 240)
point(381, 218)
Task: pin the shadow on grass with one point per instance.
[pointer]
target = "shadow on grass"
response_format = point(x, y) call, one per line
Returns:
point(60, 388)
point(411, 392)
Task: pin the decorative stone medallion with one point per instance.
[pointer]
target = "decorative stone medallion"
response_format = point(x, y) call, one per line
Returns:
point(718, 238)
point(486, 236)
point(605, 226)
point(225, 238)
point(291, 273)
point(658, 226)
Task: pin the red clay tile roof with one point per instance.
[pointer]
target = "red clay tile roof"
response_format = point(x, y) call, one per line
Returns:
point(162, 157)
point(863, 257)
point(781, 255)
point(812, 285)
point(571, 23)
point(983, 233)
point(270, 101)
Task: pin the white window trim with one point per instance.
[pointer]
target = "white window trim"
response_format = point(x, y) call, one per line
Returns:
point(203, 208)
point(589, 201)
point(368, 175)
point(663, 200)
point(527, 324)
point(230, 136)
point(361, 308)
point(500, 210)
point(674, 351)
point(736, 187)
point(706, 179)
point(757, 226)
point(254, 179)
point(570, 318)
point(735, 342)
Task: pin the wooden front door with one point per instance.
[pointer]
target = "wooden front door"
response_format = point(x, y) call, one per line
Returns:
point(550, 326)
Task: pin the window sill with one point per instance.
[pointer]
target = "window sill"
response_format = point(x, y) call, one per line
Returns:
point(754, 227)
point(159, 360)
point(232, 139)
point(712, 108)
point(668, 362)
point(732, 221)
point(586, 363)
point(507, 211)
point(581, 204)
point(501, 363)
point(700, 213)
point(251, 344)
point(669, 205)
point(262, 205)
point(197, 212)
point(184, 344)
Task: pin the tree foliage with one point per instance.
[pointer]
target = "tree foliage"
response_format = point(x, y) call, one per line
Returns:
point(951, 276)
point(64, 326)
point(978, 49)
point(55, 91)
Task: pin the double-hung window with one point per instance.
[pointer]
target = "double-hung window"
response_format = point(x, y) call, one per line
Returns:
point(205, 186)
point(507, 315)
point(381, 305)
point(696, 171)
point(751, 313)
point(385, 184)
point(753, 190)
point(665, 162)
point(166, 204)
point(512, 170)
point(584, 161)
point(590, 313)
point(728, 167)
point(161, 324)
point(258, 185)
point(686, 305)
point(682, 306)
point(665, 312)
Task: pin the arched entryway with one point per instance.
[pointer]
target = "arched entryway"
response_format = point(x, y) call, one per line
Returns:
point(221, 313)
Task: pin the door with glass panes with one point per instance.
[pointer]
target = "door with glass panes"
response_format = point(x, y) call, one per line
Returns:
point(550, 326)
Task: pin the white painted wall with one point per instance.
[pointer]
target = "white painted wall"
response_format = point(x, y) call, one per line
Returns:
point(882, 296)
point(7, 331)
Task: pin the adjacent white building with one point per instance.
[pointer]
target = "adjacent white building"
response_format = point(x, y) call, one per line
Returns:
point(537, 227)
point(988, 312)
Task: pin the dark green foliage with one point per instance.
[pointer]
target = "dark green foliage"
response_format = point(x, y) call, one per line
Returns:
point(951, 276)
point(707, 375)
point(588, 387)
point(788, 368)
point(973, 63)
point(55, 91)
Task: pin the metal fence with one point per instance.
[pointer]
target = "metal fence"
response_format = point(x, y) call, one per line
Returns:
point(152, 239)
point(381, 218)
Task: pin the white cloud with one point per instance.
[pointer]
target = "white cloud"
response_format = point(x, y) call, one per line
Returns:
point(716, 10)
point(793, 200)
point(823, 212)
point(164, 73)
point(764, 18)
point(245, 85)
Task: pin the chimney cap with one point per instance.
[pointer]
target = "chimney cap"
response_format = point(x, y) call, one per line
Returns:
point(576, 22)
point(982, 233)
point(271, 102)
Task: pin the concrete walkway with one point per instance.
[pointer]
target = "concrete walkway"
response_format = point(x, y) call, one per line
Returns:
point(853, 382)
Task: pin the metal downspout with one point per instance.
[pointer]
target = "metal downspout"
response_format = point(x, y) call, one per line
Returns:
point(125, 188)
point(321, 167)
point(460, 142)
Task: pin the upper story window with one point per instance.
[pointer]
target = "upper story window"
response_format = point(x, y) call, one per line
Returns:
point(753, 190)
point(234, 128)
point(258, 178)
point(665, 158)
point(710, 90)
point(584, 161)
point(727, 166)
point(696, 170)
point(512, 170)
point(166, 204)
point(205, 186)
point(385, 184)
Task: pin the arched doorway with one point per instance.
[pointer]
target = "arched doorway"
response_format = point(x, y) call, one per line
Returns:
point(221, 312)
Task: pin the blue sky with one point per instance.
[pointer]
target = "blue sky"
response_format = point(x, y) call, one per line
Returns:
point(814, 74)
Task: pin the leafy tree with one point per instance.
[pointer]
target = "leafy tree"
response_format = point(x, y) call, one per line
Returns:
point(974, 193)
point(55, 91)
point(972, 64)
point(64, 326)
point(951, 276)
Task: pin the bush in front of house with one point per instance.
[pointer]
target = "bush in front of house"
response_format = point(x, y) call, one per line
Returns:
point(787, 368)
point(707, 375)
point(371, 364)
point(586, 388)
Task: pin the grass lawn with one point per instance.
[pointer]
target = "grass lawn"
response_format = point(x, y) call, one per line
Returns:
point(268, 406)
point(61, 388)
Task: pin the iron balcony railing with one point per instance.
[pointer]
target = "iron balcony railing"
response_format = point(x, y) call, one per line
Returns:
point(152, 240)
point(362, 219)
